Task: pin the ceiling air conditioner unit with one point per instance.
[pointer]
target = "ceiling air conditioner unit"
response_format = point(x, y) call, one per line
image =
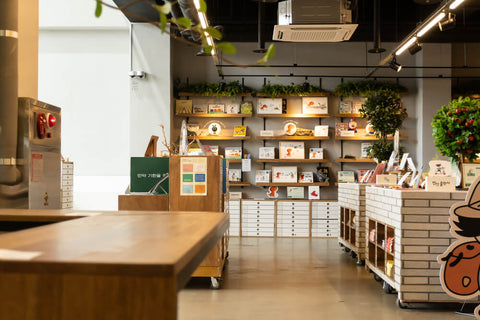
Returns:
point(314, 21)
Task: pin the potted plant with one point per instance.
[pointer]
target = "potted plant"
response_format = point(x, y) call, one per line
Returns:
point(366, 87)
point(385, 112)
point(456, 129)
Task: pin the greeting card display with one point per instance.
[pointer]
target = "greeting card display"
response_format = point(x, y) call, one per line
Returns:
point(346, 176)
point(284, 174)
point(272, 192)
point(266, 153)
point(314, 193)
point(295, 192)
point(262, 176)
point(235, 175)
point(364, 149)
point(340, 128)
point(323, 174)
point(233, 153)
point(291, 150)
point(269, 106)
point(183, 106)
point(316, 153)
point(246, 107)
point(216, 108)
point(345, 107)
point(321, 131)
point(315, 105)
point(240, 131)
point(200, 109)
point(305, 177)
point(232, 108)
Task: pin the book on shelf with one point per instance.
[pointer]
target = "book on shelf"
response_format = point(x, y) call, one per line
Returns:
point(345, 107)
point(246, 107)
point(315, 105)
point(233, 153)
point(216, 108)
point(379, 169)
point(321, 131)
point(266, 153)
point(291, 150)
point(269, 106)
point(208, 149)
point(357, 105)
point(305, 177)
point(323, 174)
point(316, 153)
point(235, 175)
point(200, 109)
point(364, 149)
point(262, 176)
point(295, 192)
point(240, 131)
point(361, 173)
point(345, 176)
point(340, 127)
point(313, 193)
point(232, 108)
point(183, 106)
point(284, 174)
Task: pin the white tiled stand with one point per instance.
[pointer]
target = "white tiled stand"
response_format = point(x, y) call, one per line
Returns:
point(66, 190)
point(283, 218)
point(421, 225)
point(351, 200)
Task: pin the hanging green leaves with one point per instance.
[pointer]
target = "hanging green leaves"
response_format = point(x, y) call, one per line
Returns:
point(268, 55)
point(98, 9)
point(165, 9)
point(203, 6)
point(183, 22)
point(215, 33)
point(226, 47)
point(163, 22)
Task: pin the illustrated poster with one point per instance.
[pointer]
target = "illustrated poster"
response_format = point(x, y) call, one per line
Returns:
point(193, 176)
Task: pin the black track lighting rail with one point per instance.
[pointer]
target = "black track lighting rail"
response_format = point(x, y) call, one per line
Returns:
point(344, 76)
point(348, 67)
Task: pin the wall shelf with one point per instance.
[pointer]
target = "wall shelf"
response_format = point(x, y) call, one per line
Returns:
point(348, 115)
point(219, 138)
point(357, 160)
point(293, 160)
point(191, 94)
point(239, 184)
point(214, 115)
point(292, 184)
point(364, 138)
point(234, 160)
point(292, 138)
point(324, 94)
point(298, 115)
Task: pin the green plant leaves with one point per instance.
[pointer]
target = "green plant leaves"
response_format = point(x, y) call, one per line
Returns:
point(183, 22)
point(226, 47)
point(98, 9)
point(165, 9)
point(163, 21)
point(203, 6)
point(366, 87)
point(215, 33)
point(268, 55)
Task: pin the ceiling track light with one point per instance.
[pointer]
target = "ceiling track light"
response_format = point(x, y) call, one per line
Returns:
point(415, 48)
point(431, 24)
point(448, 23)
point(394, 65)
point(455, 4)
point(406, 46)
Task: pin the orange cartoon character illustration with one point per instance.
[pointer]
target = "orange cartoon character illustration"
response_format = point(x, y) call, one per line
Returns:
point(263, 107)
point(289, 152)
point(272, 192)
point(311, 103)
point(460, 263)
point(290, 129)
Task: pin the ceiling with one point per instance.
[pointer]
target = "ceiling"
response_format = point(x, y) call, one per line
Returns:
point(398, 18)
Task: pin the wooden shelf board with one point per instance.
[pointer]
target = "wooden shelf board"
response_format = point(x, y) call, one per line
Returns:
point(214, 115)
point(191, 94)
point(293, 160)
point(220, 138)
point(292, 138)
point(347, 115)
point(324, 94)
point(358, 160)
point(293, 115)
point(365, 138)
point(292, 184)
point(239, 184)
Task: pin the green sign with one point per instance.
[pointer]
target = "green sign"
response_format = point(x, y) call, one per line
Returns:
point(145, 173)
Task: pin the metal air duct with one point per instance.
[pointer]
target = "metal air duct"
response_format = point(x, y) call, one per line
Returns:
point(9, 174)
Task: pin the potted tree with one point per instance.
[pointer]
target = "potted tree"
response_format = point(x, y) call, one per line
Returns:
point(456, 129)
point(385, 112)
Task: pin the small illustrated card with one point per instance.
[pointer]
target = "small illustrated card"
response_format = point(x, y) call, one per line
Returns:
point(284, 174)
point(262, 176)
point(357, 105)
point(305, 177)
point(440, 168)
point(233, 153)
point(183, 106)
point(235, 175)
point(364, 149)
point(272, 192)
point(321, 131)
point(345, 107)
point(269, 106)
point(291, 150)
point(295, 192)
point(232, 108)
point(346, 176)
point(314, 193)
point(240, 131)
point(341, 128)
point(316, 153)
point(210, 149)
point(216, 108)
point(246, 107)
point(200, 109)
point(266, 153)
point(315, 105)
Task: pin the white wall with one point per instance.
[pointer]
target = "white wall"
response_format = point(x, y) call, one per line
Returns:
point(83, 68)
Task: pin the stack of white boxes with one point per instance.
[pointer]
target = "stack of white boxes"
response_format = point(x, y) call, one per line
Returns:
point(258, 218)
point(234, 212)
point(325, 215)
point(66, 191)
point(293, 219)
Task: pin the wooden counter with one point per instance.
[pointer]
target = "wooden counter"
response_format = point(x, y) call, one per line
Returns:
point(56, 215)
point(108, 266)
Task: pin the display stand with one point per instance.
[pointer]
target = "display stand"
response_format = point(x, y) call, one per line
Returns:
point(212, 201)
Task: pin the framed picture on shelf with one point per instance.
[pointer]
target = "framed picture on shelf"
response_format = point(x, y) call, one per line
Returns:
point(469, 172)
point(364, 147)
point(313, 193)
point(200, 109)
point(321, 131)
point(269, 106)
point(345, 107)
point(291, 150)
point(315, 105)
point(183, 106)
point(235, 175)
point(305, 177)
point(284, 174)
point(232, 108)
point(345, 176)
point(262, 176)
point(216, 108)
point(341, 127)
point(266, 153)
point(240, 131)
point(233, 153)
point(316, 153)
point(246, 107)
point(295, 192)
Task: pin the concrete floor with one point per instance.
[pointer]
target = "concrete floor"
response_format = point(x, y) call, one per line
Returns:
point(285, 278)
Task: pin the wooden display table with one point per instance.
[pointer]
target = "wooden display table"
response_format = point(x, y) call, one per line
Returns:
point(143, 202)
point(351, 199)
point(417, 221)
point(109, 266)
